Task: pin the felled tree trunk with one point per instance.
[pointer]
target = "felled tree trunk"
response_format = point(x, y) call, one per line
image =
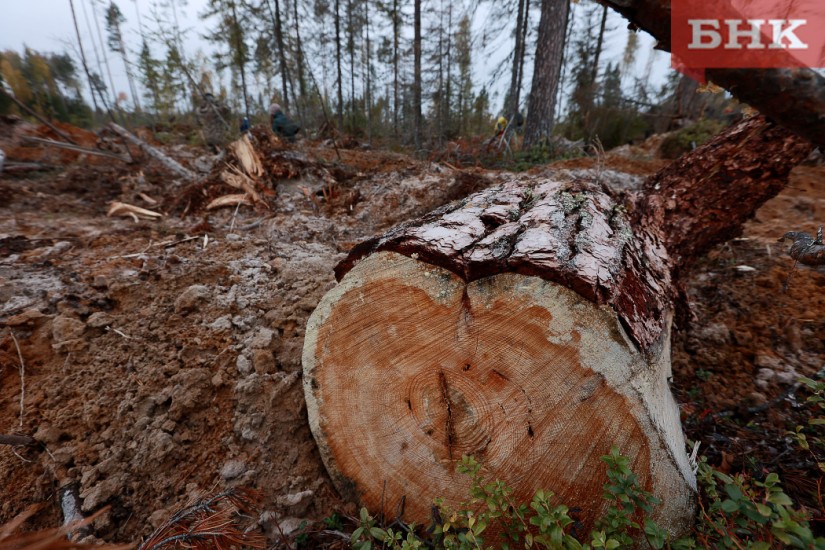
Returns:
point(529, 326)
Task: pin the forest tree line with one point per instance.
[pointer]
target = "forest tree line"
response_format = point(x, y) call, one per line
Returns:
point(397, 71)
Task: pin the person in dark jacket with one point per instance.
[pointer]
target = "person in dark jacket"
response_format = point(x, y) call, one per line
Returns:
point(282, 125)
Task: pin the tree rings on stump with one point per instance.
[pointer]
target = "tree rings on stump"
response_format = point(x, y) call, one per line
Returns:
point(407, 367)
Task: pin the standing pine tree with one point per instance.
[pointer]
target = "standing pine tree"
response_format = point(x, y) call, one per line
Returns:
point(114, 18)
point(417, 119)
point(547, 67)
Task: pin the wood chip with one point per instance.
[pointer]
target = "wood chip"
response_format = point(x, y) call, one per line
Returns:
point(135, 212)
point(229, 200)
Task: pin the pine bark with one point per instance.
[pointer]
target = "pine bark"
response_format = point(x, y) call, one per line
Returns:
point(549, 56)
point(527, 325)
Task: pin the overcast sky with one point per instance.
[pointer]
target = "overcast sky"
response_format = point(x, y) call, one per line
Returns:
point(46, 26)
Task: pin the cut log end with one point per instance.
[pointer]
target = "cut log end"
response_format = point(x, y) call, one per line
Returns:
point(407, 368)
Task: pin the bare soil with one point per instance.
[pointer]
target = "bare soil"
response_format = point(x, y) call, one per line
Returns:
point(162, 359)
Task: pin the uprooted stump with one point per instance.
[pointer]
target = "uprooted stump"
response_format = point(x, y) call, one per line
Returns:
point(527, 325)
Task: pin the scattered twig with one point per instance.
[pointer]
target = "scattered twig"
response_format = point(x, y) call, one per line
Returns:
point(147, 198)
point(119, 332)
point(170, 244)
point(252, 225)
point(22, 377)
point(15, 453)
point(234, 215)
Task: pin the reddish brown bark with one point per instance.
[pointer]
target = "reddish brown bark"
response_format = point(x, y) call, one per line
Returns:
point(702, 199)
point(572, 234)
point(578, 235)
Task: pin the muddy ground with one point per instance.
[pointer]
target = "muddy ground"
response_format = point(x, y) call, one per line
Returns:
point(162, 358)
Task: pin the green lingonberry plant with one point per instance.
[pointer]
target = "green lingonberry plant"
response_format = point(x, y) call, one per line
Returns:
point(737, 512)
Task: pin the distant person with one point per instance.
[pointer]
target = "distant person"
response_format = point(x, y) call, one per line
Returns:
point(213, 114)
point(518, 121)
point(282, 125)
point(244, 125)
point(501, 125)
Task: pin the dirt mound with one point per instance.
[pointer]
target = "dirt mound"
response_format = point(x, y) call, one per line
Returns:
point(162, 358)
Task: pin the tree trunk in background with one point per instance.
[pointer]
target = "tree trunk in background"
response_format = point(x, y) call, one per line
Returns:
point(240, 55)
point(594, 73)
point(527, 325)
point(549, 55)
point(102, 53)
point(368, 98)
point(351, 52)
point(417, 122)
point(338, 64)
point(83, 55)
point(396, 31)
point(794, 98)
point(279, 39)
point(299, 55)
point(524, 27)
point(518, 56)
point(448, 87)
point(129, 76)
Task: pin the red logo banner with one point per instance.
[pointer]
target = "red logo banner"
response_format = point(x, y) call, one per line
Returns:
point(709, 34)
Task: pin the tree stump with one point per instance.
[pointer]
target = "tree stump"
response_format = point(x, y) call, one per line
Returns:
point(529, 326)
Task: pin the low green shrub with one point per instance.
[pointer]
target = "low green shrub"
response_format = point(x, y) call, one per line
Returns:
point(736, 512)
point(685, 140)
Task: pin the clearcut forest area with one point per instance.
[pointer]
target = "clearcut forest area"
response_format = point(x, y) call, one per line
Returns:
point(384, 308)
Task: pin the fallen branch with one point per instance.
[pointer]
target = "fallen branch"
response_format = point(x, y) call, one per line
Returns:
point(171, 164)
point(77, 148)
